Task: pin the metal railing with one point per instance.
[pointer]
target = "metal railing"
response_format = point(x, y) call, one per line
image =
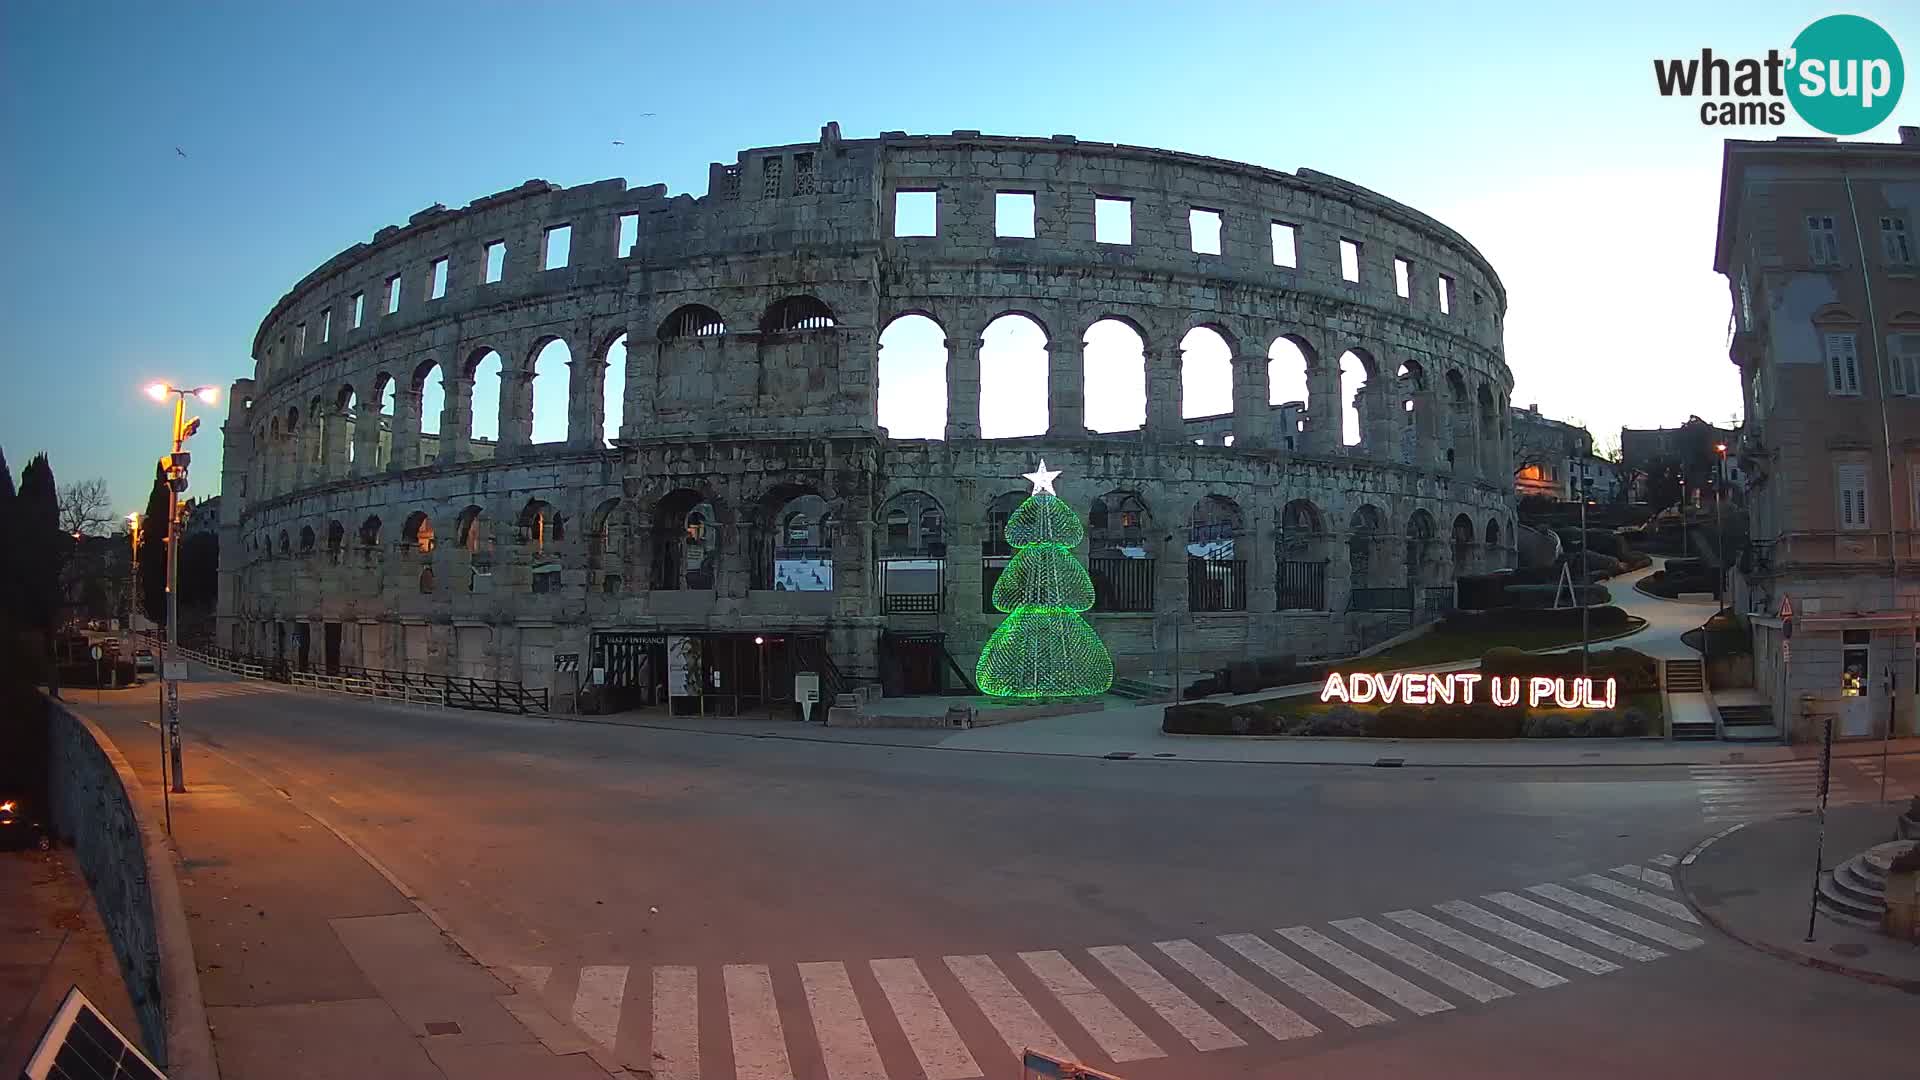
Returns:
point(1301, 586)
point(1392, 598)
point(1121, 584)
point(1216, 584)
point(450, 691)
point(1437, 598)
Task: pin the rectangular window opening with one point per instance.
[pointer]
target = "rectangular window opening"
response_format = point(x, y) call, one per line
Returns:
point(1446, 295)
point(628, 236)
point(916, 213)
point(1350, 260)
point(1893, 235)
point(496, 261)
point(770, 176)
point(1203, 227)
point(1851, 478)
point(439, 279)
point(359, 309)
point(1823, 243)
point(1013, 213)
point(1402, 278)
point(300, 339)
point(803, 183)
point(559, 247)
point(1843, 365)
point(1112, 220)
point(326, 326)
point(393, 294)
point(1284, 252)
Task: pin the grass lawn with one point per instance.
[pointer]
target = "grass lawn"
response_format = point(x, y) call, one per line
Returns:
point(1443, 647)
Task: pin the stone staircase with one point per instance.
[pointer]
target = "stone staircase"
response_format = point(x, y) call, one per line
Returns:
point(1855, 892)
point(1689, 677)
point(1747, 723)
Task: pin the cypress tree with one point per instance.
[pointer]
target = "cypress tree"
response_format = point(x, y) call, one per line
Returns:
point(9, 608)
point(37, 545)
point(153, 550)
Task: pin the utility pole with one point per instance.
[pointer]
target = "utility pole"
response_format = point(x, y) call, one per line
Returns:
point(1585, 487)
point(175, 465)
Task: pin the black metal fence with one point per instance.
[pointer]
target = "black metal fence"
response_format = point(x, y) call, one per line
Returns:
point(1392, 598)
point(1121, 584)
point(1437, 598)
point(1301, 586)
point(1216, 584)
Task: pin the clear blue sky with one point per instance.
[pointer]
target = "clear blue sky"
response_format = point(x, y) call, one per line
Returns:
point(1539, 136)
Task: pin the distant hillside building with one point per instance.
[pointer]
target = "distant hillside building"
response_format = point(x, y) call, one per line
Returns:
point(1691, 446)
point(1555, 458)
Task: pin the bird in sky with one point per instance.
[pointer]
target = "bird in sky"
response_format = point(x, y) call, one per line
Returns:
point(619, 142)
point(179, 151)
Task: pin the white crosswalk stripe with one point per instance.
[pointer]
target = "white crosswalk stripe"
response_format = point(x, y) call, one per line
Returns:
point(1305, 981)
point(1180, 1012)
point(1671, 908)
point(759, 1042)
point(1118, 1036)
point(1737, 793)
point(1298, 963)
point(596, 1004)
point(676, 1023)
point(942, 1054)
point(1531, 939)
point(1467, 945)
point(1009, 1013)
point(1254, 1003)
point(1668, 861)
point(1625, 920)
point(1656, 878)
point(1606, 939)
point(846, 1043)
point(1419, 959)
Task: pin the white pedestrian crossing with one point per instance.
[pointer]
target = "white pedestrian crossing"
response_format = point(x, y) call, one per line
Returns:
point(1116, 1004)
point(1730, 794)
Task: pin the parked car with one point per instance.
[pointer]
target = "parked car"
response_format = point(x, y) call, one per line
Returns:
point(143, 661)
point(20, 830)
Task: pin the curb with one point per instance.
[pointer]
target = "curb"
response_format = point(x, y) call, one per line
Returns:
point(1911, 986)
point(190, 1053)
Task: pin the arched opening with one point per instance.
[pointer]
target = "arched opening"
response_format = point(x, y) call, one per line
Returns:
point(342, 448)
point(426, 580)
point(1462, 545)
point(913, 378)
point(538, 525)
point(552, 366)
point(794, 537)
point(315, 461)
point(1422, 562)
point(483, 419)
point(1460, 421)
point(307, 540)
point(293, 452)
point(796, 313)
point(1216, 574)
point(613, 396)
point(417, 532)
point(1364, 574)
point(430, 384)
point(336, 540)
point(1120, 552)
point(1288, 361)
point(1206, 374)
point(1493, 534)
point(1489, 437)
point(684, 541)
point(286, 545)
point(1355, 372)
point(995, 551)
point(1300, 557)
point(1411, 384)
point(913, 553)
point(1013, 378)
point(692, 320)
point(370, 532)
point(383, 430)
point(606, 543)
point(1115, 356)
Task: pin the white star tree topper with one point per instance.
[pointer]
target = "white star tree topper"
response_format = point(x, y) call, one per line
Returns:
point(1042, 478)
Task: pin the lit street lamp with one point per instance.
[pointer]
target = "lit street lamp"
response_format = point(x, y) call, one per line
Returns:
point(176, 469)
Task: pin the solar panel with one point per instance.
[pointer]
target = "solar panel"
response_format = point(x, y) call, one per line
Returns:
point(81, 1044)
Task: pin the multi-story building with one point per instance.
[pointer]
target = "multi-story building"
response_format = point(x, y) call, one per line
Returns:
point(1816, 242)
point(1555, 458)
point(1694, 447)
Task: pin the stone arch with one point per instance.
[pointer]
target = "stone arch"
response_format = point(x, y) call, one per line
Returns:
point(546, 393)
point(912, 529)
point(384, 421)
point(336, 539)
point(1302, 552)
point(1364, 528)
point(1487, 436)
point(1423, 555)
point(911, 397)
point(684, 540)
point(430, 383)
point(417, 532)
point(370, 532)
point(1216, 568)
point(1114, 375)
point(339, 447)
point(470, 531)
point(796, 313)
point(1493, 532)
point(692, 321)
point(307, 540)
point(994, 549)
point(1206, 372)
point(286, 546)
point(607, 545)
point(613, 385)
point(539, 525)
point(794, 533)
point(484, 372)
point(1462, 542)
point(1013, 376)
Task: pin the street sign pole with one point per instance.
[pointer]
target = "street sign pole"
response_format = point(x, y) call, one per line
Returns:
point(1820, 845)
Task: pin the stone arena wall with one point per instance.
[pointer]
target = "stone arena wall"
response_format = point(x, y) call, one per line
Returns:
point(752, 319)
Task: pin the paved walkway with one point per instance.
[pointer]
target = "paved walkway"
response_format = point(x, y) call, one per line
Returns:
point(1756, 885)
point(51, 938)
point(314, 965)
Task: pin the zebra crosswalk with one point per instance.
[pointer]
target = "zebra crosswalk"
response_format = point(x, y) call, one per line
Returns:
point(1738, 793)
point(964, 1016)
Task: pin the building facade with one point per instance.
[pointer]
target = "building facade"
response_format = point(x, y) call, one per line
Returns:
point(1815, 240)
point(1694, 449)
point(748, 494)
point(1555, 459)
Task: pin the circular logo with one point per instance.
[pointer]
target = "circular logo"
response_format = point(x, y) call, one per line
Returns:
point(1847, 74)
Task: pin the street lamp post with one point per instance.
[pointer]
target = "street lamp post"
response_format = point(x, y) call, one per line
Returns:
point(1719, 526)
point(176, 463)
point(1586, 488)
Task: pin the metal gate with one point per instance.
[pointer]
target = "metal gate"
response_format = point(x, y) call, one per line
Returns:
point(634, 660)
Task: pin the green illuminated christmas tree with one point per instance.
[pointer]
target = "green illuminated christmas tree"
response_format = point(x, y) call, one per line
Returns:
point(1044, 648)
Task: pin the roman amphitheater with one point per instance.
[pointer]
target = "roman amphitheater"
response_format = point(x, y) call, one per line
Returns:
point(725, 473)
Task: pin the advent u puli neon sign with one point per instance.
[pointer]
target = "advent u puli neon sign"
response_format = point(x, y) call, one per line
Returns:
point(1459, 687)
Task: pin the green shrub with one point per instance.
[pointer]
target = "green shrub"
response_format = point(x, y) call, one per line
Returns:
point(1481, 720)
point(1600, 620)
point(1633, 670)
point(1542, 596)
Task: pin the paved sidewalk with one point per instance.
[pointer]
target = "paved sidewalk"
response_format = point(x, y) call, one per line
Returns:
point(51, 938)
point(1756, 884)
point(313, 964)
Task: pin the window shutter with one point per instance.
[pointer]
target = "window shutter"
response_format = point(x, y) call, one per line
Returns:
point(1896, 365)
point(1851, 477)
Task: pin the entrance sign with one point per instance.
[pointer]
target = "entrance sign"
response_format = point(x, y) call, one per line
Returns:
point(806, 688)
point(1459, 687)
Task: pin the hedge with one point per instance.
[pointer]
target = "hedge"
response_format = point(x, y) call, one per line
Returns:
point(1636, 671)
point(1543, 596)
point(1606, 619)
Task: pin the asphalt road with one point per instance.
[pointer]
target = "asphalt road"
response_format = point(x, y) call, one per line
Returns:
point(609, 868)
